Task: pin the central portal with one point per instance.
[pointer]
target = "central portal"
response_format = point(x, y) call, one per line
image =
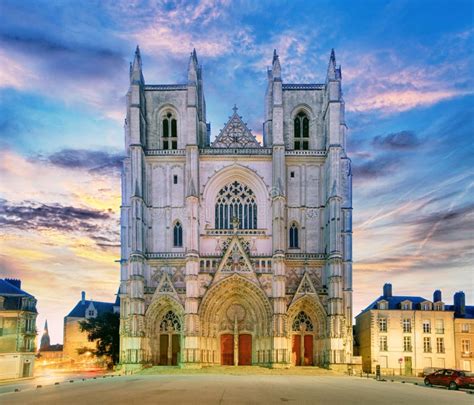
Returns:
point(236, 349)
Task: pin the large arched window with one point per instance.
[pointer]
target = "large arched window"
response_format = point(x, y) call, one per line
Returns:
point(294, 237)
point(302, 321)
point(169, 129)
point(301, 131)
point(236, 201)
point(178, 235)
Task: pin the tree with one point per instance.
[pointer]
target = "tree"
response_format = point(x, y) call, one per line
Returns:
point(104, 330)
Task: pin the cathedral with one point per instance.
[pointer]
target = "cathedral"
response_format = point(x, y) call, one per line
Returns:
point(236, 251)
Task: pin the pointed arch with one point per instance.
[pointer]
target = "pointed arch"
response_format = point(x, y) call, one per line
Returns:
point(177, 234)
point(293, 236)
point(313, 308)
point(235, 289)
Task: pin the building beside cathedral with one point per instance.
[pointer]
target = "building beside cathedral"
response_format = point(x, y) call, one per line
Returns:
point(17, 330)
point(236, 252)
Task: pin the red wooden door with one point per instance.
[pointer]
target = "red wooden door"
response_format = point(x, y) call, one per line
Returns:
point(308, 350)
point(245, 350)
point(227, 350)
point(296, 350)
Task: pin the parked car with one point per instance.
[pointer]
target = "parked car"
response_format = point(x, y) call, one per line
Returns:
point(453, 379)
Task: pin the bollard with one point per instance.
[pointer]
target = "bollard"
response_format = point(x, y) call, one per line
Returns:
point(56, 383)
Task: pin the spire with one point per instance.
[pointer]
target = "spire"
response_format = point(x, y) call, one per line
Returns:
point(276, 68)
point(193, 67)
point(45, 341)
point(332, 66)
point(136, 75)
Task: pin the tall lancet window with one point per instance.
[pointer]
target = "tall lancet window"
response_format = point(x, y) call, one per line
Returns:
point(294, 241)
point(178, 235)
point(169, 129)
point(301, 131)
point(236, 201)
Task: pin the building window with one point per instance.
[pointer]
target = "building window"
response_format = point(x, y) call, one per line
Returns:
point(175, 179)
point(439, 326)
point(178, 235)
point(440, 345)
point(301, 131)
point(90, 312)
point(426, 326)
point(426, 307)
point(383, 345)
point(294, 241)
point(170, 323)
point(382, 305)
point(427, 344)
point(302, 321)
point(465, 328)
point(292, 174)
point(382, 324)
point(236, 201)
point(169, 131)
point(407, 343)
point(406, 305)
point(466, 346)
point(407, 325)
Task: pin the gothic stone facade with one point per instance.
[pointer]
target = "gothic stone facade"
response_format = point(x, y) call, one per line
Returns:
point(236, 252)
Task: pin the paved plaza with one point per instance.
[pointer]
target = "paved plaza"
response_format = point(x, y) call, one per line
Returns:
point(182, 388)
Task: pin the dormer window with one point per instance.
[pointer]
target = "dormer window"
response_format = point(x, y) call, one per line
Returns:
point(301, 131)
point(382, 305)
point(169, 131)
point(426, 306)
point(406, 305)
point(439, 306)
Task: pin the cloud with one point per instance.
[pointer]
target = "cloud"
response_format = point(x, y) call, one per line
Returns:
point(374, 167)
point(404, 140)
point(386, 80)
point(86, 159)
point(31, 216)
point(93, 77)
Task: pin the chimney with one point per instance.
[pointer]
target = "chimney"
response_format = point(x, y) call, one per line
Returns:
point(14, 282)
point(437, 296)
point(83, 298)
point(387, 290)
point(459, 304)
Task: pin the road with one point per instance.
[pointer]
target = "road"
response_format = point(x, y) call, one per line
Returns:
point(234, 389)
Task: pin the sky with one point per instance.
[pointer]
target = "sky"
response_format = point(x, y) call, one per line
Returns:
point(408, 87)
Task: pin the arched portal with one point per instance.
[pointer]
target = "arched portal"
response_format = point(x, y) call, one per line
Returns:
point(235, 317)
point(164, 328)
point(307, 331)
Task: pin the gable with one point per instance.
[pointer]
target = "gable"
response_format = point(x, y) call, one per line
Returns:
point(235, 134)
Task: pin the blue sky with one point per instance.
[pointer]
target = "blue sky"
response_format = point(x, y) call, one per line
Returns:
point(408, 85)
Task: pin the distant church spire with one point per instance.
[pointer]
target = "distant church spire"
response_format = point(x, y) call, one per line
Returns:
point(45, 341)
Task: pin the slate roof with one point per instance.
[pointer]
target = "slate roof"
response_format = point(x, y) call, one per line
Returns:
point(469, 311)
point(394, 302)
point(7, 289)
point(79, 311)
point(13, 297)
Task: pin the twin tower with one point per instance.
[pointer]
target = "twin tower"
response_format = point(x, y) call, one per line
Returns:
point(235, 251)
